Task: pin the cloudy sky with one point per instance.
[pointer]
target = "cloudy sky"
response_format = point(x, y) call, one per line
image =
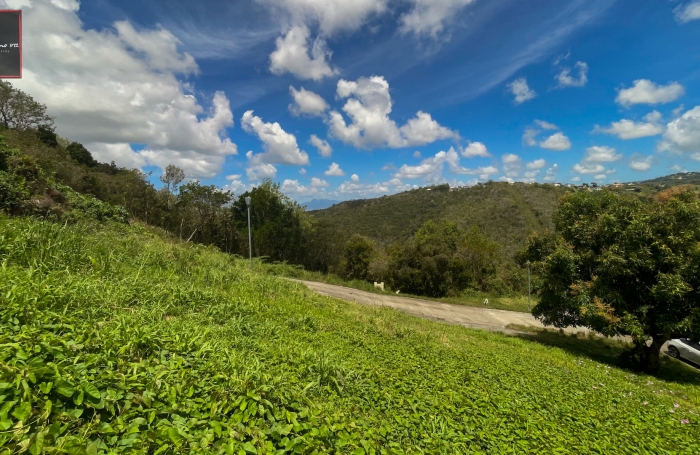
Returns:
point(344, 99)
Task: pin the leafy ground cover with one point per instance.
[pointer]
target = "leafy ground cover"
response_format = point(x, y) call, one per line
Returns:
point(116, 339)
point(471, 298)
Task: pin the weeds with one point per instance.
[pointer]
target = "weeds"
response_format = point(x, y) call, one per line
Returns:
point(115, 339)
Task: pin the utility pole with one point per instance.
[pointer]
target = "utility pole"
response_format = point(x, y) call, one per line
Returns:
point(250, 244)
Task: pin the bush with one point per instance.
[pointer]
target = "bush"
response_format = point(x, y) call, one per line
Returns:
point(357, 256)
point(13, 191)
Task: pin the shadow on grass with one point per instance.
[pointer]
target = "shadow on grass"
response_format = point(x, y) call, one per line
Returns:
point(606, 351)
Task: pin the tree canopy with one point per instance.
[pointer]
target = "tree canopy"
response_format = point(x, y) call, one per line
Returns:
point(20, 111)
point(622, 266)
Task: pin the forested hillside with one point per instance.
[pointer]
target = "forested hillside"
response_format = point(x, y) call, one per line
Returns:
point(434, 241)
point(506, 213)
point(681, 178)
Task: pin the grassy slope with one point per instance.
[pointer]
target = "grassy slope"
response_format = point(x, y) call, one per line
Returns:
point(161, 346)
point(506, 213)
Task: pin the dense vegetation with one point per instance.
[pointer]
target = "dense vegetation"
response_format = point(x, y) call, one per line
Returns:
point(505, 213)
point(622, 267)
point(45, 175)
point(116, 338)
point(40, 170)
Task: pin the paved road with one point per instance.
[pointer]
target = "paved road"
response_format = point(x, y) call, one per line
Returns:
point(467, 316)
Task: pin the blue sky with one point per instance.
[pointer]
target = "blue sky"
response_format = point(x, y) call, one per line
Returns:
point(405, 92)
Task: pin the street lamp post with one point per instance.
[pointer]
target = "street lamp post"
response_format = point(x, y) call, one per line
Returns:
point(528, 285)
point(250, 244)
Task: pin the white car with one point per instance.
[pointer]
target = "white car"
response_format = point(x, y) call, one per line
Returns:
point(684, 348)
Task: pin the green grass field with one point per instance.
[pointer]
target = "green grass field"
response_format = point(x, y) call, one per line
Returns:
point(116, 339)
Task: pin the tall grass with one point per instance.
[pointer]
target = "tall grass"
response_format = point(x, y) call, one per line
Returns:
point(117, 339)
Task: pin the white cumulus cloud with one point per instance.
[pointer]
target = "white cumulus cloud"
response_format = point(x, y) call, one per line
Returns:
point(551, 173)
point(588, 168)
point(557, 141)
point(307, 102)
point(279, 146)
point(475, 149)
point(430, 169)
point(257, 172)
point(645, 91)
point(292, 56)
point(683, 133)
point(512, 165)
point(521, 90)
point(629, 129)
point(368, 106)
point(324, 148)
point(318, 183)
point(537, 164)
point(565, 79)
point(334, 170)
point(118, 85)
point(641, 164)
point(601, 154)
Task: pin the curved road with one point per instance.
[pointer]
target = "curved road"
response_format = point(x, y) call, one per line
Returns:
point(467, 316)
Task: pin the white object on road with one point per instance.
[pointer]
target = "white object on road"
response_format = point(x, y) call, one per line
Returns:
point(397, 292)
point(379, 285)
point(684, 348)
point(486, 302)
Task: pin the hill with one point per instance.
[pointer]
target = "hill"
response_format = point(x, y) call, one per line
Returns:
point(319, 204)
point(681, 178)
point(119, 339)
point(507, 213)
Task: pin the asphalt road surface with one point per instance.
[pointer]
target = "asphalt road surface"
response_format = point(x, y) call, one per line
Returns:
point(467, 316)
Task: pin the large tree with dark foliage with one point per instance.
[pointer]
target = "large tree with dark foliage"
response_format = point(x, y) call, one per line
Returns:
point(20, 111)
point(278, 223)
point(80, 154)
point(622, 266)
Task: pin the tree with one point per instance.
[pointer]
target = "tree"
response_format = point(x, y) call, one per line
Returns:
point(622, 266)
point(80, 154)
point(357, 255)
point(19, 111)
point(47, 136)
point(431, 263)
point(172, 177)
point(278, 223)
point(207, 201)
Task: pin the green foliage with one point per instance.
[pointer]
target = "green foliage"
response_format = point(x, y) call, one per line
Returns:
point(441, 260)
point(79, 153)
point(114, 339)
point(25, 190)
point(20, 111)
point(357, 256)
point(47, 135)
point(13, 192)
point(89, 207)
point(277, 222)
point(505, 213)
point(622, 267)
